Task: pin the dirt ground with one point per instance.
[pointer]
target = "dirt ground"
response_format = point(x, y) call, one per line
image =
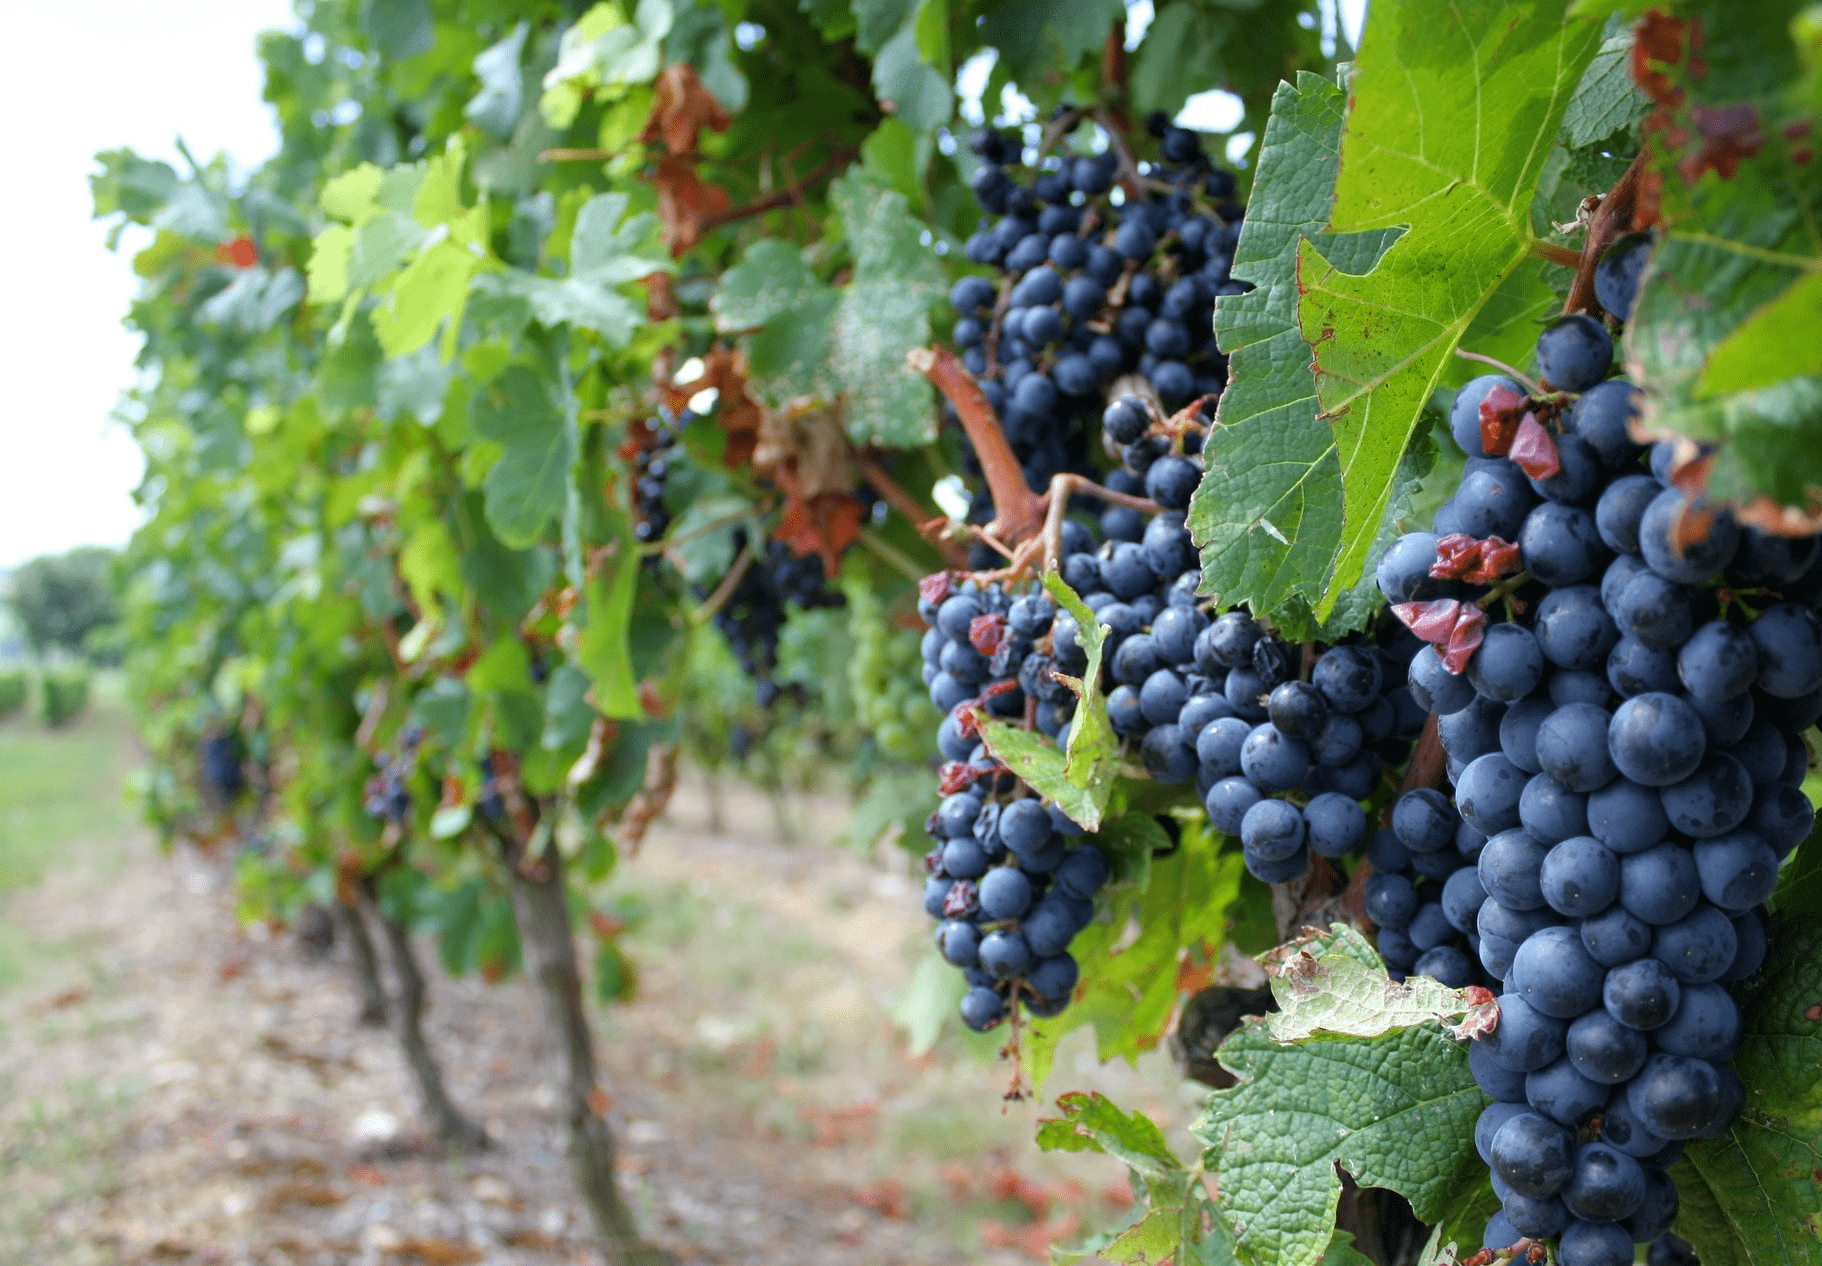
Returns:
point(175, 1088)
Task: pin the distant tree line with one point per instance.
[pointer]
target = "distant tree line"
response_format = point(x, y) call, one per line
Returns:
point(66, 602)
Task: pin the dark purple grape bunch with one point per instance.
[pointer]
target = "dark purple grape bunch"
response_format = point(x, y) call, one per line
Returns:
point(1011, 882)
point(491, 802)
point(1284, 763)
point(658, 454)
point(1091, 289)
point(223, 758)
point(387, 795)
point(1156, 461)
point(1629, 744)
point(753, 616)
point(1425, 894)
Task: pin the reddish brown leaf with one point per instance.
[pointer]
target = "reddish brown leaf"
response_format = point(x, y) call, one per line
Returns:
point(1498, 558)
point(1430, 621)
point(954, 776)
point(681, 109)
point(963, 900)
point(936, 587)
point(1659, 42)
point(1500, 414)
point(686, 203)
point(660, 297)
point(825, 524)
point(1694, 522)
point(1465, 637)
point(967, 718)
point(1729, 133)
point(600, 1102)
point(998, 688)
point(606, 926)
point(1455, 554)
point(367, 1175)
point(986, 632)
point(1533, 450)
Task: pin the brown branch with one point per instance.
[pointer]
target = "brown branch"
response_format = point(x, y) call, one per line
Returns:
point(1130, 179)
point(1062, 487)
point(729, 583)
point(1114, 60)
point(589, 155)
point(1609, 221)
point(930, 528)
point(1018, 512)
point(791, 193)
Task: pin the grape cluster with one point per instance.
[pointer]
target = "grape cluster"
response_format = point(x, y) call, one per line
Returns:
point(1011, 891)
point(754, 613)
point(657, 451)
point(882, 676)
point(1424, 891)
point(1097, 282)
point(1626, 753)
point(387, 795)
point(222, 754)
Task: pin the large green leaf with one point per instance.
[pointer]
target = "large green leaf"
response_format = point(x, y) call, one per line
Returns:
point(1720, 334)
point(806, 339)
point(528, 487)
point(1751, 1197)
point(1455, 107)
point(1268, 517)
point(604, 649)
point(1394, 1110)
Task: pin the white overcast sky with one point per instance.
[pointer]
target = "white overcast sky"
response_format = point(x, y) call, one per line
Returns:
point(76, 78)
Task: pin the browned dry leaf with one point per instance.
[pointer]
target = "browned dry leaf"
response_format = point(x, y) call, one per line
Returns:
point(824, 524)
point(682, 109)
point(687, 204)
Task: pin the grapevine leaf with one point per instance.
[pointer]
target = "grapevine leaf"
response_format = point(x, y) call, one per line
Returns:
point(808, 340)
point(1332, 986)
point(1606, 101)
point(1462, 1225)
point(1754, 1192)
point(1093, 747)
point(1716, 337)
point(604, 649)
point(935, 991)
point(1268, 518)
point(495, 108)
point(1760, 353)
point(1800, 880)
point(528, 486)
point(1130, 987)
point(884, 312)
point(1093, 1122)
point(1396, 1110)
point(1454, 110)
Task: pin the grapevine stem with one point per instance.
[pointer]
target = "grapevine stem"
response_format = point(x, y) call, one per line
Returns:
point(730, 582)
point(1555, 254)
point(1504, 589)
point(784, 197)
point(1609, 220)
point(704, 529)
point(1018, 512)
point(1056, 507)
point(1537, 388)
point(931, 529)
point(894, 556)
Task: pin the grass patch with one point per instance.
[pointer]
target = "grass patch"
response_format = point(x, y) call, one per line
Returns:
point(63, 785)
